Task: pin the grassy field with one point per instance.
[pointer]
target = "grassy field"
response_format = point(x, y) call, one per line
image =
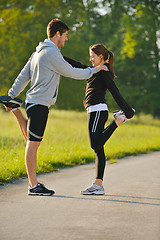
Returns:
point(66, 142)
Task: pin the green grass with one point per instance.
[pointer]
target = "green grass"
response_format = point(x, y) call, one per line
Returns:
point(66, 142)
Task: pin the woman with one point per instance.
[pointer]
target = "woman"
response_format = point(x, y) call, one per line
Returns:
point(97, 110)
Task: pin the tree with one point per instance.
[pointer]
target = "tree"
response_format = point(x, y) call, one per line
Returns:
point(128, 28)
point(23, 26)
point(131, 29)
point(140, 49)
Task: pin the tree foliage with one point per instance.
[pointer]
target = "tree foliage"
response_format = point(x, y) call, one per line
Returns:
point(128, 28)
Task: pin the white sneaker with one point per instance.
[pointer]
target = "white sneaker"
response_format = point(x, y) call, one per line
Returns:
point(93, 190)
point(120, 114)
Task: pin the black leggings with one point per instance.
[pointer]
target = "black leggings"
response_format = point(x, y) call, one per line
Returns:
point(98, 136)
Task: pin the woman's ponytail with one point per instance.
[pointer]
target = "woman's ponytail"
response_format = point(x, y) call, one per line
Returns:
point(110, 62)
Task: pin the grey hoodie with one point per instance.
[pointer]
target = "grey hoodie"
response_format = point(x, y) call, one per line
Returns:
point(43, 69)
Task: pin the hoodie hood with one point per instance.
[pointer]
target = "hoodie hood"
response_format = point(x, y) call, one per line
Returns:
point(46, 43)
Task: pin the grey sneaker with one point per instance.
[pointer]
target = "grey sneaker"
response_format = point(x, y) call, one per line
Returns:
point(93, 190)
point(120, 114)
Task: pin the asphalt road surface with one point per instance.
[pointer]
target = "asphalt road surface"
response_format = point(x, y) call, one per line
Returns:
point(129, 210)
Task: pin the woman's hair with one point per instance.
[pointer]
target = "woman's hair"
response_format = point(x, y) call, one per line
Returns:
point(108, 55)
point(56, 25)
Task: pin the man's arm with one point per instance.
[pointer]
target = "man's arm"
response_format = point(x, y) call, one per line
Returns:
point(58, 64)
point(21, 81)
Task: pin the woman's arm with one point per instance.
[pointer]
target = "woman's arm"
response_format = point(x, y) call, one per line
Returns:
point(75, 63)
point(107, 80)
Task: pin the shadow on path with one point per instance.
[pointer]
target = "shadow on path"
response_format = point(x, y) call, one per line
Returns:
point(92, 198)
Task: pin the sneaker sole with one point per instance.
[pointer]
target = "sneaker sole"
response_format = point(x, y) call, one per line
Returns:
point(5, 99)
point(93, 193)
point(19, 101)
point(119, 114)
point(114, 112)
point(41, 194)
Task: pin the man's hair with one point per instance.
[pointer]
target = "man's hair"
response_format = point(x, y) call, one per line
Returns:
point(56, 25)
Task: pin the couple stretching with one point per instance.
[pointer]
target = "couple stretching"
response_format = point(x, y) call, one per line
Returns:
point(43, 71)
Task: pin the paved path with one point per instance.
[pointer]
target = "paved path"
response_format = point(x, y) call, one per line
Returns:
point(130, 210)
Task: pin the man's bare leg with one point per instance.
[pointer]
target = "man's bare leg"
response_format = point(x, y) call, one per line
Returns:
point(22, 121)
point(31, 149)
point(31, 161)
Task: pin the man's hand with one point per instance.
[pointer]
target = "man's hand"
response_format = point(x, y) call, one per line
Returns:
point(7, 108)
point(102, 67)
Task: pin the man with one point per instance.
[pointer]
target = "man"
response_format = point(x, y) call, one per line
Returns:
point(43, 70)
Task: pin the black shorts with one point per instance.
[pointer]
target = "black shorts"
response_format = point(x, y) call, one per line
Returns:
point(37, 119)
